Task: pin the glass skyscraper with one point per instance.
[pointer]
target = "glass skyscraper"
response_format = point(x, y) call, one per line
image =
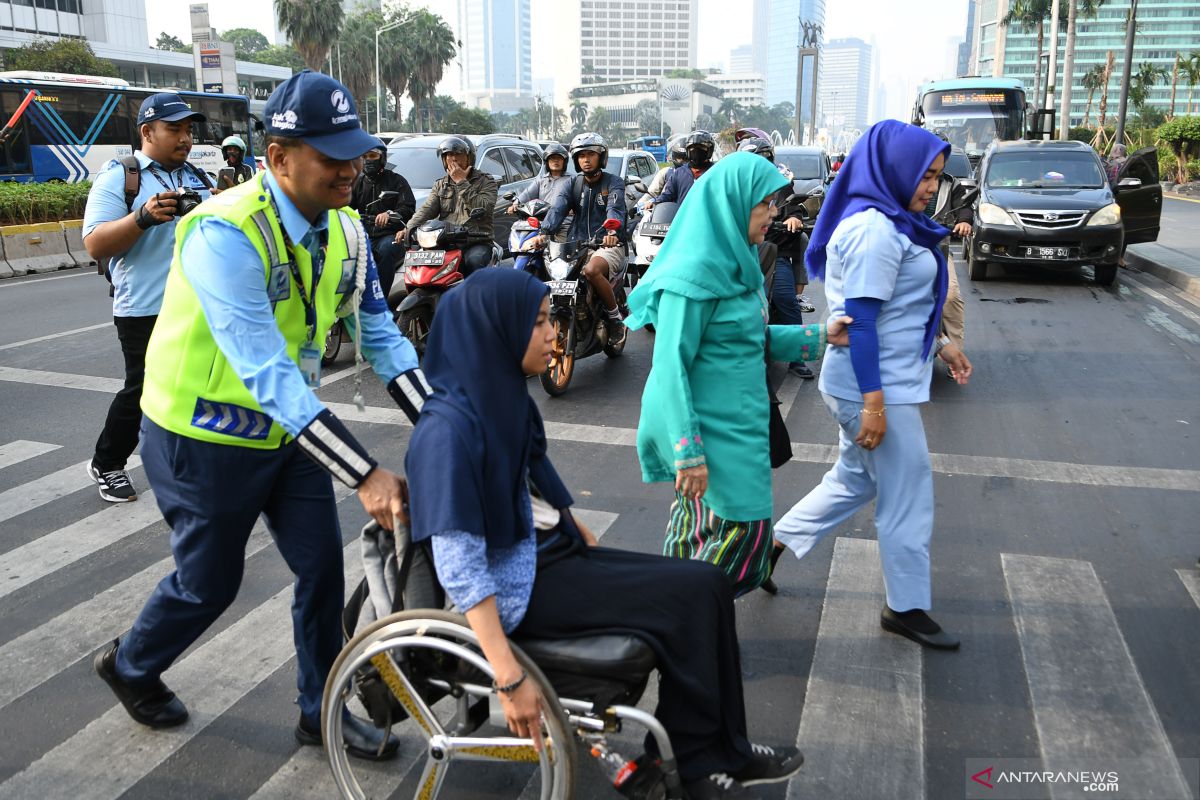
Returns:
point(496, 54)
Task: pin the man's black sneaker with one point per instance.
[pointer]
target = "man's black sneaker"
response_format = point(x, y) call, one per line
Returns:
point(360, 738)
point(154, 704)
point(616, 331)
point(114, 484)
point(800, 370)
point(717, 786)
point(806, 305)
point(769, 765)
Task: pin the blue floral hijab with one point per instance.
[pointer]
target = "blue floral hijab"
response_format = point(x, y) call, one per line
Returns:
point(882, 172)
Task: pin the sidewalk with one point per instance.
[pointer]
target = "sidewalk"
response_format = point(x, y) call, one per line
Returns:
point(1175, 257)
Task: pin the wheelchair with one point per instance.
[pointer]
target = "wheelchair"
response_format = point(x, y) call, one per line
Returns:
point(406, 664)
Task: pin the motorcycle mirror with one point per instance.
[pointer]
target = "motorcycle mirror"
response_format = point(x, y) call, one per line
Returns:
point(641, 187)
point(388, 195)
point(510, 196)
point(612, 224)
point(534, 222)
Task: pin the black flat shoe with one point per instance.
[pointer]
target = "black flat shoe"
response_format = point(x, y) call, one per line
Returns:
point(153, 705)
point(936, 640)
point(362, 739)
point(768, 585)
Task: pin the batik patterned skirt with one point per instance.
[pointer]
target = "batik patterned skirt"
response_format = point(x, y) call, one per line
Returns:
point(741, 549)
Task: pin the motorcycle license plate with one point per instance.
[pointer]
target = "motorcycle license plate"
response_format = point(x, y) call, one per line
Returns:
point(563, 288)
point(1049, 253)
point(656, 228)
point(424, 258)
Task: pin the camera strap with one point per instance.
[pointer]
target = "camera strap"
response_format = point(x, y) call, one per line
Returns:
point(158, 176)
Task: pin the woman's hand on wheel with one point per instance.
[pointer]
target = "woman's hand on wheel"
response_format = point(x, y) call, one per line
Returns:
point(837, 332)
point(692, 482)
point(523, 712)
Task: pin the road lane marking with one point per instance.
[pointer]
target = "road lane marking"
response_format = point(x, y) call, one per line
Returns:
point(1166, 301)
point(862, 730)
point(49, 488)
point(1191, 582)
point(789, 389)
point(1178, 197)
point(22, 450)
point(1184, 480)
point(1090, 705)
point(59, 335)
point(43, 280)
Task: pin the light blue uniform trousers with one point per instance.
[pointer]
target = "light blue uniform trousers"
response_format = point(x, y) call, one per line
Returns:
point(898, 477)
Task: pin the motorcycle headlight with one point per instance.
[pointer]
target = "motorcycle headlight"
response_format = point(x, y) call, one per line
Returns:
point(1109, 215)
point(990, 214)
point(428, 240)
point(558, 268)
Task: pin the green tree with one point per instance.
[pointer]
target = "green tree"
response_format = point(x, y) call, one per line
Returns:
point(1092, 80)
point(692, 74)
point(1148, 76)
point(433, 47)
point(1030, 14)
point(1183, 135)
point(649, 118)
point(600, 121)
point(469, 120)
point(730, 111)
point(579, 114)
point(72, 56)
point(1191, 72)
point(166, 41)
point(281, 55)
point(312, 26)
point(247, 42)
point(357, 42)
point(396, 56)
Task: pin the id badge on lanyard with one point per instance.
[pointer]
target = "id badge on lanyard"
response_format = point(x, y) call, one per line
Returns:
point(310, 365)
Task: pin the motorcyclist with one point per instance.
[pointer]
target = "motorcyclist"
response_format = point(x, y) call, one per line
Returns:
point(700, 146)
point(789, 260)
point(552, 181)
point(375, 179)
point(595, 196)
point(453, 197)
point(237, 169)
point(678, 157)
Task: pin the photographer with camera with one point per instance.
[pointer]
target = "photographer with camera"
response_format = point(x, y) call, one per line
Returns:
point(130, 219)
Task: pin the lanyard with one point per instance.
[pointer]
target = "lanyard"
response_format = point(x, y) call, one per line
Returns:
point(159, 177)
point(309, 299)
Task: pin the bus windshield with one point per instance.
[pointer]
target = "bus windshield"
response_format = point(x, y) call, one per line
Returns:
point(972, 118)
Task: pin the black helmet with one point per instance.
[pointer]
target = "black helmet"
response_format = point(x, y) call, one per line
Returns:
point(762, 147)
point(455, 144)
point(589, 142)
point(678, 151)
point(554, 149)
point(706, 144)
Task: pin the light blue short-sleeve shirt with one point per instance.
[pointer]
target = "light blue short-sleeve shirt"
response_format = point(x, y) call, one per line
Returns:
point(868, 257)
point(139, 275)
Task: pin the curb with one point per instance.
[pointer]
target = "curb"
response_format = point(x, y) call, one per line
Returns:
point(1190, 284)
point(73, 228)
point(41, 247)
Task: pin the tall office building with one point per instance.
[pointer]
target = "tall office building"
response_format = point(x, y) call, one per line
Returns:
point(741, 59)
point(1164, 29)
point(783, 36)
point(604, 41)
point(968, 43)
point(496, 53)
point(845, 88)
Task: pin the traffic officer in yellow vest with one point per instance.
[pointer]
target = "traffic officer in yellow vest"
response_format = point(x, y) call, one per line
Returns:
point(232, 428)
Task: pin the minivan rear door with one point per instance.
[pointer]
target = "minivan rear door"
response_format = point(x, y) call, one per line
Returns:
point(1141, 206)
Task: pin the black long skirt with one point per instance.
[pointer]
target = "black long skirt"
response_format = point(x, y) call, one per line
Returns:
point(684, 611)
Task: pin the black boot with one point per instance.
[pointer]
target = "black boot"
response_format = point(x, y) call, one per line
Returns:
point(768, 585)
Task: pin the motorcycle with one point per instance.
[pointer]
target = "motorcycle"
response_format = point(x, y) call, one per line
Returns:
point(648, 237)
point(525, 230)
point(431, 269)
point(575, 310)
point(338, 335)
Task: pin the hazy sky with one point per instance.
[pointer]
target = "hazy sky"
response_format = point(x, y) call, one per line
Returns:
point(912, 47)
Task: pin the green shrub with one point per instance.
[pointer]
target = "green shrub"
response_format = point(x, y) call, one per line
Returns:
point(1168, 166)
point(25, 203)
point(1193, 169)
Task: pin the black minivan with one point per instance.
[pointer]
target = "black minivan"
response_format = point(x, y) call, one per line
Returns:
point(1049, 205)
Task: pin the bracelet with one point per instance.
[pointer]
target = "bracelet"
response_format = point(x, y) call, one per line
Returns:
point(868, 412)
point(511, 687)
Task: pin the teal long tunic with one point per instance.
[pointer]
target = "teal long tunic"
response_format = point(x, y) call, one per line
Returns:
point(706, 400)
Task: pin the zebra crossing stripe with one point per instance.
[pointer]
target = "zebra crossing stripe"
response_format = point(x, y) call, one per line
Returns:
point(112, 753)
point(49, 488)
point(1191, 581)
point(868, 742)
point(36, 656)
point(21, 450)
point(61, 380)
point(23, 565)
point(1090, 705)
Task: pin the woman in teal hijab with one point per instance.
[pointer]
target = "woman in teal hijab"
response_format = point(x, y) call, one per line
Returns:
point(705, 408)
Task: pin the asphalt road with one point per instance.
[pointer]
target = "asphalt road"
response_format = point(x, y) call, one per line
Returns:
point(1067, 478)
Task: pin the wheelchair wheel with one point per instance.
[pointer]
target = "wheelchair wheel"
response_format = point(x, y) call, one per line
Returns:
point(426, 654)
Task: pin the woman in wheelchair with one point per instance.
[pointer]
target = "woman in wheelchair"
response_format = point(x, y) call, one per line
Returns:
point(510, 555)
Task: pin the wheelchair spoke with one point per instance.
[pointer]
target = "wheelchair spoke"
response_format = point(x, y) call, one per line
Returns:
point(406, 693)
point(432, 778)
point(499, 748)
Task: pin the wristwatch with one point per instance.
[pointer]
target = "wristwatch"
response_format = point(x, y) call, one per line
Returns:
point(942, 341)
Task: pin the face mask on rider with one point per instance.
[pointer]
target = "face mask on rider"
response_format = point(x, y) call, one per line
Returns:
point(373, 166)
point(697, 158)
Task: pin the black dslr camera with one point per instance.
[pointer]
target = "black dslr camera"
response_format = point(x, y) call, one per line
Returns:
point(186, 202)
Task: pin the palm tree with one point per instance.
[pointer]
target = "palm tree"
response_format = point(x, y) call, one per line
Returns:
point(579, 113)
point(1191, 70)
point(434, 47)
point(1092, 80)
point(358, 73)
point(396, 58)
point(1174, 83)
point(1028, 14)
point(312, 26)
point(1145, 79)
point(1088, 8)
point(731, 110)
point(1108, 68)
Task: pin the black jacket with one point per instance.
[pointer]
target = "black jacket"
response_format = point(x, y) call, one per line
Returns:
point(367, 190)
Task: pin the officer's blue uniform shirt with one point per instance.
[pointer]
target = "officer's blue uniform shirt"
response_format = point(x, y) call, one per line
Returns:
point(139, 276)
point(868, 257)
point(226, 272)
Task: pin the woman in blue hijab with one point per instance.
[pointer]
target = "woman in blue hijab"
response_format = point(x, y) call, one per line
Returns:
point(879, 257)
point(513, 559)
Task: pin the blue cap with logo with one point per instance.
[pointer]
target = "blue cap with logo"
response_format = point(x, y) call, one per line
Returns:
point(166, 107)
point(318, 109)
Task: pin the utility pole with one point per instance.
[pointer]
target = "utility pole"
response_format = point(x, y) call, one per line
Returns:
point(1053, 68)
point(1130, 26)
point(1064, 127)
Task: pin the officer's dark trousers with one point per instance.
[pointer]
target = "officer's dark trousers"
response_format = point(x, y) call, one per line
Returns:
point(388, 255)
point(119, 438)
point(211, 495)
